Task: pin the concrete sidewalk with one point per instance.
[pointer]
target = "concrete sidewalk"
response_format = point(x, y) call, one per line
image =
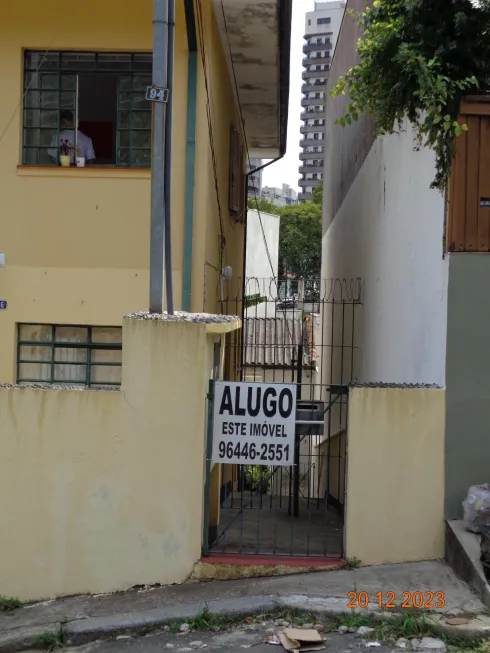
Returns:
point(86, 618)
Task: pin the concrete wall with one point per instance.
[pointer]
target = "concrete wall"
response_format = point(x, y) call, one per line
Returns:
point(467, 378)
point(77, 240)
point(395, 484)
point(92, 494)
point(389, 231)
point(345, 148)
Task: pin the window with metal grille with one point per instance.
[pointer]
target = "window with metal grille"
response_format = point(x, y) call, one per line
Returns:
point(69, 355)
point(105, 94)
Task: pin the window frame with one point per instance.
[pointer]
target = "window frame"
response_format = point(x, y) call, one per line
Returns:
point(53, 344)
point(132, 69)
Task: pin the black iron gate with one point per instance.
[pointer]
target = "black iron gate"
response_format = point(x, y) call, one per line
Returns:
point(301, 332)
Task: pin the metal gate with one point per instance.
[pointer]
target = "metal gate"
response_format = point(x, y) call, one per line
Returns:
point(300, 331)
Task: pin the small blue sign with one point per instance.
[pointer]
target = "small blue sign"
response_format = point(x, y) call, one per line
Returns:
point(3, 304)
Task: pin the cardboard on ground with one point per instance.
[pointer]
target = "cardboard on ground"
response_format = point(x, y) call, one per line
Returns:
point(297, 640)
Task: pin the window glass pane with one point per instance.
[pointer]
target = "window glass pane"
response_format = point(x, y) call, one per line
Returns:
point(102, 374)
point(141, 139)
point(71, 334)
point(141, 120)
point(35, 353)
point(37, 118)
point(70, 355)
point(35, 332)
point(68, 82)
point(124, 101)
point(124, 119)
point(140, 83)
point(125, 82)
point(40, 137)
point(35, 80)
point(124, 138)
point(31, 157)
point(70, 373)
point(41, 99)
point(67, 100)
point(106, 356)
point(139, 101)
point(34, 372)
point(42, 60)
point(142, 62)
point(107, 334)
point(78, 61)
point(113, 61)
point(141, 158)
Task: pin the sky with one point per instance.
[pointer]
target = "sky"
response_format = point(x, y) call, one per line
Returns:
point(285, 171)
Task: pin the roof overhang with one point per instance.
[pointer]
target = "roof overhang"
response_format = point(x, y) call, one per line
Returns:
point(256, 38)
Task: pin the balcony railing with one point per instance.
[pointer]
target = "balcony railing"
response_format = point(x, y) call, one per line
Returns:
point(311, 74)
point(309, 61)
point(305, 197)
point(307, 168)
point(313, 86)
point(316, 47)
point(303, 183)
point(303, 156)
point(308, 129)
point(312, 115)
point(311, 101)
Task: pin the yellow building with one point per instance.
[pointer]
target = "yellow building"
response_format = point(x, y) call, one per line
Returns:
point(75, 240)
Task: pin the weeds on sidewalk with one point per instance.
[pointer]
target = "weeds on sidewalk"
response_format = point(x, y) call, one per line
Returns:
point(207, 621)
point(8, 603)
point(50, 641)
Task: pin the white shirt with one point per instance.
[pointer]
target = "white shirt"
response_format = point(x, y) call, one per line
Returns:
point(85, 145)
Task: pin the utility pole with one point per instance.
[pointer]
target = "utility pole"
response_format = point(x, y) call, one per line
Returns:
point(157, 222)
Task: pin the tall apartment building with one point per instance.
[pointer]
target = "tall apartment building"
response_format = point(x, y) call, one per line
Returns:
point(254, 181)
point(322, 28)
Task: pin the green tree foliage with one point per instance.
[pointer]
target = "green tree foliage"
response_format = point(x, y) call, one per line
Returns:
point(263, 205)
point(418, 58)
point(318, 193)
point(300, 240)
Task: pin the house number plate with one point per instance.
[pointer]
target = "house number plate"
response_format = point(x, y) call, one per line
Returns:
point(156, 94)
point(3, 304)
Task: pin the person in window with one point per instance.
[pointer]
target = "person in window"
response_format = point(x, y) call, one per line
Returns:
point(67, 133)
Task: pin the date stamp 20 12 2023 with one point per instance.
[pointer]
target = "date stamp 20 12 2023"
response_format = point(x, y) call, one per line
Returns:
point(409, 600)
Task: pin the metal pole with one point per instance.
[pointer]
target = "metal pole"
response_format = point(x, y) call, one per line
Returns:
point(160, 27)
point(76, 121)
point(168, 160)
point(297, 437)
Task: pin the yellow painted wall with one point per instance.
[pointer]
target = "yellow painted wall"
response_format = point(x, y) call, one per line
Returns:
point(207, 223)
point(77, 241)
point(395, 481)
point(92, 495)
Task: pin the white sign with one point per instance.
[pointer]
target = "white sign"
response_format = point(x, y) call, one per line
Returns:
point(254, 423)
point(156, 94)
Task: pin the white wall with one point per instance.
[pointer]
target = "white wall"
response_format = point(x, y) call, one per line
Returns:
point(258, 270)
point(389, 231)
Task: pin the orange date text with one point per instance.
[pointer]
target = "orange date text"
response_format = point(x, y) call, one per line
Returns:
point(388, 600)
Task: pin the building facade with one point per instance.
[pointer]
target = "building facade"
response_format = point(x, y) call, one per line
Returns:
point(322, 28)
point(254, 180)
point(76, 240)
point(280, 196)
